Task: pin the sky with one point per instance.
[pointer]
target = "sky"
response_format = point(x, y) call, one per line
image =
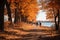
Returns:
point(41, 16)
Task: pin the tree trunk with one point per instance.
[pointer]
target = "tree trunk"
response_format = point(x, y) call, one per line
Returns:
point(9, 11)
point(2, 3)
point(58, 19)
point(15, 20)
point(17, 15)
point(57, 23)
point(56, 26)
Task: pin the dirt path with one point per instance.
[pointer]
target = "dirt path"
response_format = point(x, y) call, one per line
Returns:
point(26, 31)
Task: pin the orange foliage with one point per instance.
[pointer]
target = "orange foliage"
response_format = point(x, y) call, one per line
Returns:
point(53, 6)
point(27, 7)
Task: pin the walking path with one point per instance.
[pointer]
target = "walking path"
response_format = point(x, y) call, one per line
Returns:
point(24, 31)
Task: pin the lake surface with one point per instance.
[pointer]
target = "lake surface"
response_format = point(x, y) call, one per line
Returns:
point(49, 24)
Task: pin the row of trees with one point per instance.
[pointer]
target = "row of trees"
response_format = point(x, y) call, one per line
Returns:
point(26, 10)
point(23, 10)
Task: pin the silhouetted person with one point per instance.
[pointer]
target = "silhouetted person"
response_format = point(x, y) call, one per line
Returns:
point(40, 24)
point(36, 23)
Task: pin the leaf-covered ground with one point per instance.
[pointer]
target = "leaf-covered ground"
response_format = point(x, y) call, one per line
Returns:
point(25, 31)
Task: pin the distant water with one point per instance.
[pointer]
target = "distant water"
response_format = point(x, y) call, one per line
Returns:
point(49, 24)
point(5, 18)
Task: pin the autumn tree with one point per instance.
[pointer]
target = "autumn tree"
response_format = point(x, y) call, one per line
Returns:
point(17, 17)
point(1, 15)
point(30, 9)
point(9, 10)
point(2, 4)
point(54, 5)
point(26, 9)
